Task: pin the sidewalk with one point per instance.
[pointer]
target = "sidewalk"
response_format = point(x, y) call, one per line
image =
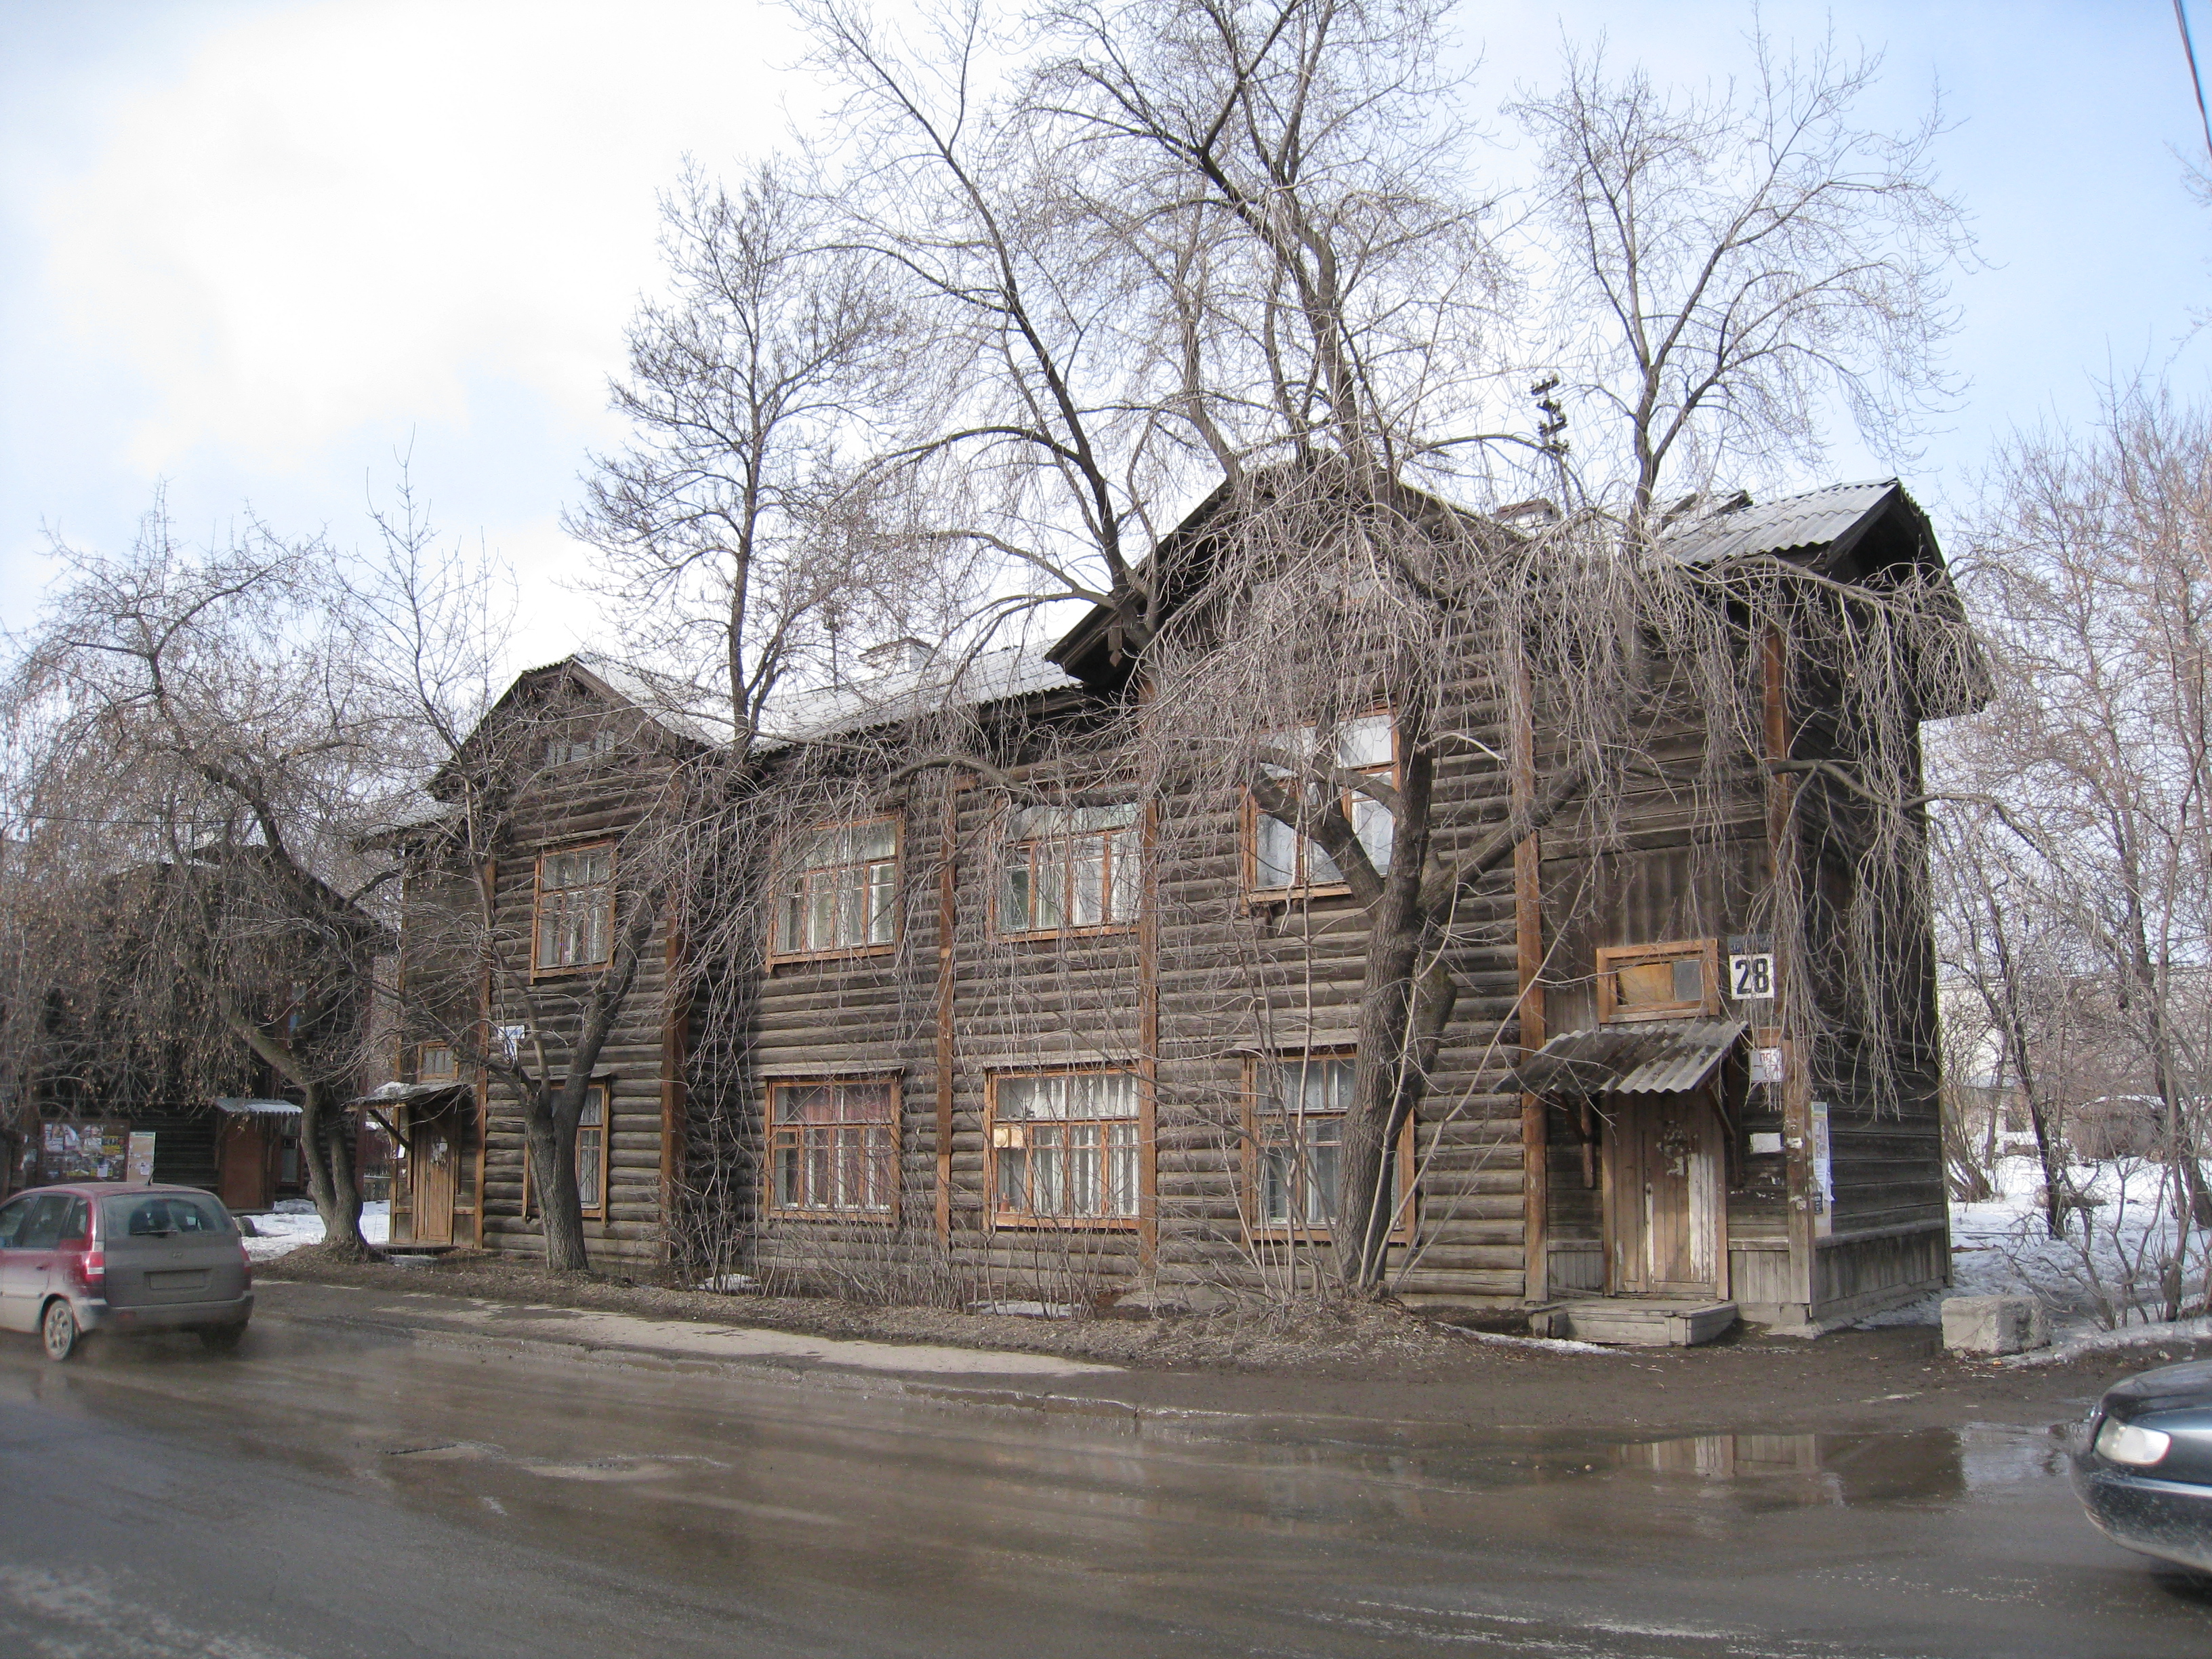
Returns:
point(1860, 1382)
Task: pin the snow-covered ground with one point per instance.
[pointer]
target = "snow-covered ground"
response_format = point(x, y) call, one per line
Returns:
point(2105, 1271)
point(295, 1223)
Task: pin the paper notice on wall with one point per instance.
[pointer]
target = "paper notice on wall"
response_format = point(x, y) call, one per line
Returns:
point(1766, 1066)
point(141, 1156)
point(1824, 1180)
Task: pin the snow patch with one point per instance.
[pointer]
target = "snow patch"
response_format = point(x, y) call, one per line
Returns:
point(2001, 1247)
point(285, 1229)
point(1543, 1344)
point(2179, 1332)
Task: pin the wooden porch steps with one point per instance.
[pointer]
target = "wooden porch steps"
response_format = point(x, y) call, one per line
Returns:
point(1627, 1322)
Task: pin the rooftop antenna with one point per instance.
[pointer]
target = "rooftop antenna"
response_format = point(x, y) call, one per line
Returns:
point(1551, 427)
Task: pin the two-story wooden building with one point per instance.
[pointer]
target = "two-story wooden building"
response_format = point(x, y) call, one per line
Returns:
point(1042, 1028)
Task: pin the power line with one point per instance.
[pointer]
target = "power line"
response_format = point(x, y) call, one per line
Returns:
point(2196, 78)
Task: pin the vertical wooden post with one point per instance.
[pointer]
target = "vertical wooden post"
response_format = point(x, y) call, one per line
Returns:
point(1796, 1084)
point(483, 1090)
point(675, 1042)
point(1528, 941)
point(947, 1056)
point(1148, 1034)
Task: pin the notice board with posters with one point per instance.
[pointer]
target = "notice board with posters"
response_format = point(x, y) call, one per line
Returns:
point(84, 1150)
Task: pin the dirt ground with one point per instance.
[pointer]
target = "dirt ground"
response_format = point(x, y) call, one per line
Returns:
point(1360, 1360)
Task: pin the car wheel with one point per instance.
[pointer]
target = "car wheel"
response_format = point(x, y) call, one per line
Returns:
point(60, 1331)
point(223, 1339)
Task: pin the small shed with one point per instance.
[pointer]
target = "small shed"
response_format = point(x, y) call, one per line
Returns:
point(257, 1151)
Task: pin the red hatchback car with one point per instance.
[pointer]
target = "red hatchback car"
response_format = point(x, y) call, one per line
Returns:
point(110, 1256)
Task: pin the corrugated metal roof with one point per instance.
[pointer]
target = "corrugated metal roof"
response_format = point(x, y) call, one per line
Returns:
point(400, 1094)
point(689, 710)
point(987, 678)
point(1788, 525)
point(1650, 1057)
point(239, 1106)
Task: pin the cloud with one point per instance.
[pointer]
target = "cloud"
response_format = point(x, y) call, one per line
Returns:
point(328, 218)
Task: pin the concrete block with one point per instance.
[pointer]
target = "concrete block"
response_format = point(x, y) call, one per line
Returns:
point(1993, 1324)
point(1630, 1324)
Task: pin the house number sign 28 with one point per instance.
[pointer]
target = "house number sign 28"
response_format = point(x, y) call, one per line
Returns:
point(1751, 978)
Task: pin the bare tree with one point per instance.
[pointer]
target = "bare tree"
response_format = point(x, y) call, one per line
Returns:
point(1721, 264)
point(738, 533)
point(2092, 767)
point(194, 765)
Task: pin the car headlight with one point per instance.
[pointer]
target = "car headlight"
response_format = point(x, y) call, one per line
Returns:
point(2123, 1442)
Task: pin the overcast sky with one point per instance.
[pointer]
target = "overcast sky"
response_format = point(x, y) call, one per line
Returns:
point(250, 250)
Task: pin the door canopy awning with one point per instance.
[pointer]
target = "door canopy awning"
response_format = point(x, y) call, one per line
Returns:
point(404, 1094)
point(1651, 1057)
point(238, 1106)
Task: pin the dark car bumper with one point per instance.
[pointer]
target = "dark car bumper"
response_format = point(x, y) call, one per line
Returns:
point(2169, 1519)
point(95, 1315)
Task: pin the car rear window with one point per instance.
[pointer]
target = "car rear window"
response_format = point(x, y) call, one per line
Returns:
point(161, 1214)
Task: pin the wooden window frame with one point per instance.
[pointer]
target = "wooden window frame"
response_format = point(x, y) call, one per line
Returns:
point(422, 1071)
point(564, 971)
point(1137, 827)
point(1030, 1221)
point(1263, 1232)
point(775, 956)
point(601, 741)
point(1611, 958)
point(1251, 815)
point(604, 1087)
point(894, 1083)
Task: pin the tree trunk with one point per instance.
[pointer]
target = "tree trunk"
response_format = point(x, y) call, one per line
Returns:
point(1389, 1077)
point(326, 1144)
point(550, 1132)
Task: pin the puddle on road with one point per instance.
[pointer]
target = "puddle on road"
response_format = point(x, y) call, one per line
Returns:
point(1913, 1466)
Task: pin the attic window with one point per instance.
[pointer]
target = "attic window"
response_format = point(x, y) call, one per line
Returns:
point(574, 750)
point(1677, 979)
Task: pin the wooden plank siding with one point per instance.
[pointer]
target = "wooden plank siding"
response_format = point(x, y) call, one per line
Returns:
point(1206, 984)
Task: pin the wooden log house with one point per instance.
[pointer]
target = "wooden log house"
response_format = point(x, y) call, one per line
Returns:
point(1014, 1048)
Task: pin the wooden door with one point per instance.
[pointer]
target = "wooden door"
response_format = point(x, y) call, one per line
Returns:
point(241, 1165)
point(1666, 1196)
point(432, 1165)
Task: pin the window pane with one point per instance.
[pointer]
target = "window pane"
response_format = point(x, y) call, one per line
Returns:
point(588, 1144)
point(1088, 907)
point(1321, 869)
point(1324, 1144)
point(1365, 742)
point(883, 879)
point(1121, 1169)
point(1689, 980)
point(1014, 892)
point(787, 1173)
point(1372, 822)
point(1276, 856)
point(1275, 1167)
point(878, 840)
point(1128, 868)
point(1048, 1170)
point(1085, 1176)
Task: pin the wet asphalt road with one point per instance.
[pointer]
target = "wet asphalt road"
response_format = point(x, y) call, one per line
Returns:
point(338, 1493)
